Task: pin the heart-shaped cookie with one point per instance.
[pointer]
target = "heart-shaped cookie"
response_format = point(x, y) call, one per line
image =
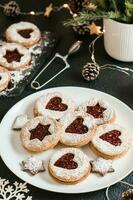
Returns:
point(96, 111)
point(112, 137)
point(77, 126)
point(25, 33)
point(66, 161)
point(56, 104)
point(40, 132)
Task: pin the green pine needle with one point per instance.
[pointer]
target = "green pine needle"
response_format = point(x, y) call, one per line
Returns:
point(85, 17)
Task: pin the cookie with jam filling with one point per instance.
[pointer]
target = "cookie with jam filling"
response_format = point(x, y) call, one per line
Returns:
point(53, 105)
point(14, 56)
point(69, 165)
point(99, 109)
point(111, 141)
point(78, 129)
point(40, 134)
point(24, 33)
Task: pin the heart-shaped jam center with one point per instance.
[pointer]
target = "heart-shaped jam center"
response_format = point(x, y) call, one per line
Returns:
point(13, 56)
point(40, 132)
point(96, 111)
point(77, 126)
point(25, 33)
point(112, 137)
point(56, 104)
point(66, 161)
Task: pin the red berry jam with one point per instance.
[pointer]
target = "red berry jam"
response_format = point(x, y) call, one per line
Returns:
point(56, 104)
point(25, 33)
point(77, 126)
point(40, 132)
point(13, 56)
point(112, 137)
point(66, 161)
point(96, 111)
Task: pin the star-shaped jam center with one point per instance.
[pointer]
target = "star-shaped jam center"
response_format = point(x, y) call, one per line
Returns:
point(39, 132)
point(13, 56)
point(96, 111)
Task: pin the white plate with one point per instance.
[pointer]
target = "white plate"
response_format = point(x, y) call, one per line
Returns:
point(12, 151)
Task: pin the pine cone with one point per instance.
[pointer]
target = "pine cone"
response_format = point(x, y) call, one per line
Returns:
point(90, 71)
point(11, 9)
point(127, 195)
point(76, 5)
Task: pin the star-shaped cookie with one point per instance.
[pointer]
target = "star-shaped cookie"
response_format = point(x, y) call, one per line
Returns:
point(33, 165)
point(102, 166)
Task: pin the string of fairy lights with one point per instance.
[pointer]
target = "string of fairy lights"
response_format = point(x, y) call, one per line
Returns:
point(13, 9)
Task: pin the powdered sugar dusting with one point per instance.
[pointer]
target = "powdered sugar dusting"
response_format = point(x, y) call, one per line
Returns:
point(24, 60)
point(20, 121)
point(72, 138)
point(20, 77)
point(13, 35)
point(4, 77)
point(48, 140)
point(80, 158)
point(102, 166)
point(108, 114)
point(107, 148)
point(33, 165)
point(40, 106)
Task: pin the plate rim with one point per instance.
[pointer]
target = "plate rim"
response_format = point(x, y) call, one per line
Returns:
point(58, 88)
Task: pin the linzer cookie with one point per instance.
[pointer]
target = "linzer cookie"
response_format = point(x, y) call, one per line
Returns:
point(53, 105)
point(69, 165)
point(24, 33)
point(14, 56)
point(111, 141)
point(4, 78)
point(78, 129)
point(40, 134)
point(100, 110)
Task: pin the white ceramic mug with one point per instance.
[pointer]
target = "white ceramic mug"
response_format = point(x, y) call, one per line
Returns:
point(118, 40)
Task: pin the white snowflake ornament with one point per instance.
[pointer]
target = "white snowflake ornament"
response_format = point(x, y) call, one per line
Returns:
point(15, 191)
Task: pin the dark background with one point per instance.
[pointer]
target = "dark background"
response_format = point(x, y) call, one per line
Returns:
point(109, 81)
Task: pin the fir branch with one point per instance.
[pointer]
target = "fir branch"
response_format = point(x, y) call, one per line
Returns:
point(85, 17)
point(120, 10)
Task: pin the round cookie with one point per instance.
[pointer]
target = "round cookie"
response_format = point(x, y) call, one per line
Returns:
point(40, 134)
point(24, 33)
point(100, 110)
point(5, 78)
point(111, 141)
point(53, 105)
point(14, 56)
point(69, 165)
point(78, 129)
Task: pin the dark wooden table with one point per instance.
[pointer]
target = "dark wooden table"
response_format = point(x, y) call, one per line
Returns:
point(111, 82)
